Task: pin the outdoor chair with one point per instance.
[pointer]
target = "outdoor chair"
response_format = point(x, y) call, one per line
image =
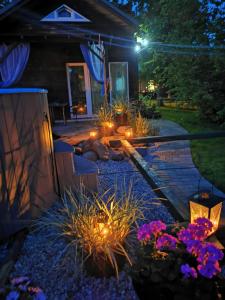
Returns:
point(74, 171)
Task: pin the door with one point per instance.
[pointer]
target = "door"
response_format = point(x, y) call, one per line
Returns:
point(79, 89)
point(119, 83)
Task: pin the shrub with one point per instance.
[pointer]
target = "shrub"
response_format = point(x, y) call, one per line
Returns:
point(192, 241)
point(120, 106)
point(105, 115)
point(177, 263)
point(99, 228)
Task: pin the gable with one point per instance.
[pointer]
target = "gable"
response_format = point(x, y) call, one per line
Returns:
point(78, 19)
point(64, 13)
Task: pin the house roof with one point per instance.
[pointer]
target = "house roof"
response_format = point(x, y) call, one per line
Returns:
point(103, 5)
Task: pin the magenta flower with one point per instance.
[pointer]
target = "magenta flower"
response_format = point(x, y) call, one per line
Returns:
point(166, 241)
point(13, 295)
point(188, 271)
point(209, 269)
point(144, 233)
point(19, 280)
point(194, 247)
point(204, 222)
point(156, 227)
point(209, 253)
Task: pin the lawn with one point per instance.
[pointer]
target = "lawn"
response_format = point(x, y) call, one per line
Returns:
point(208, 155)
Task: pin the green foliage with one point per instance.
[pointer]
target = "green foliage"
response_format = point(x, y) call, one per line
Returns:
point(120, 106)
point(177, 62)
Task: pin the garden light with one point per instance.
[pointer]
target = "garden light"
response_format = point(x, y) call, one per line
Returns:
point(129, 133)
point(93, 134)
point(110, 124)
point(137, 48)
point(144, 42)
point(206, 205)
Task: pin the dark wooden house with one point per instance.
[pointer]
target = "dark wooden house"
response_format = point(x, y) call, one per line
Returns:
point(55, 30)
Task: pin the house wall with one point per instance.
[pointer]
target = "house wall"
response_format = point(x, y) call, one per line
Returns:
point(47, 68)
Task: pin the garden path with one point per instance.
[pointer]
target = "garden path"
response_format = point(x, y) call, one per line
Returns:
point(173, 164)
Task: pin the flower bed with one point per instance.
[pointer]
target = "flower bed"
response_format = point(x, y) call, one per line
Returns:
point(180, 264)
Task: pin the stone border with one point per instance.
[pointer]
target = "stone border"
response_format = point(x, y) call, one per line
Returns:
point(176, 208)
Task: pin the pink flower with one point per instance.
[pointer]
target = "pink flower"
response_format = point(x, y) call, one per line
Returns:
point(194, 247)
point(144, 233)
point(209, 269)
point(188, 271)
point(206, 223)
point(166, 241)
point(156, 227)
point(209, 253)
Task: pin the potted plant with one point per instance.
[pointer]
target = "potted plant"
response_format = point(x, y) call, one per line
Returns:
point(105, 121)
point(121, 112)
point(99, 228)
point(180, 264)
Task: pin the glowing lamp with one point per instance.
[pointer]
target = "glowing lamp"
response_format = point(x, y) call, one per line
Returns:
point(119, 111)
point(110, 124)
point(137, 48)
point(129, 133)
point(206, 205)
point(81, 109)
point(93, 134)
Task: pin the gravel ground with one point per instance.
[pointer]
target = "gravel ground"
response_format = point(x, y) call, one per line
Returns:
point(51, 265)
point(125, 174)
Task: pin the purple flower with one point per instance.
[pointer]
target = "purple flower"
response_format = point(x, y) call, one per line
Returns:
point(40, 296)
point(188, 271)
point(19, 280)
point(166, 241)
point(194, 247)
point(144, 233)
point(209, 253)
point(13, 295)
point(209, 269)
point(193, 232)
point(156, 227)
point(206, 223)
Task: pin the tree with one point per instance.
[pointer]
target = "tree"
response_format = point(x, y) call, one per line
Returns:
point(182, 56)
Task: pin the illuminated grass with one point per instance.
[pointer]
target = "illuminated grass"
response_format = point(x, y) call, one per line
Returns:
point(99, 228)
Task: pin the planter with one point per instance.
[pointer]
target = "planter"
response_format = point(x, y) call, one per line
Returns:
point(105, 131)
point(121, 119)
point(101, 267)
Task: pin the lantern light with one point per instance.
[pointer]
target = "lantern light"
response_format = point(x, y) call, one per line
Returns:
point(93, 134)
point(129, 133)
point(110, 124)
point(205, 204)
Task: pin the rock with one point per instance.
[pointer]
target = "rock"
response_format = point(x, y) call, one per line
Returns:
point(90, 155)
point(78, 150)
point(87, 145)
point(101, 150)
point(122, 129)
point(116, 155)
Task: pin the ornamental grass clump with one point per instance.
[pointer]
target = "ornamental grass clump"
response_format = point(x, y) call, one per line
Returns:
point(105, 115)
point(141, 126)
point(99, 227)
